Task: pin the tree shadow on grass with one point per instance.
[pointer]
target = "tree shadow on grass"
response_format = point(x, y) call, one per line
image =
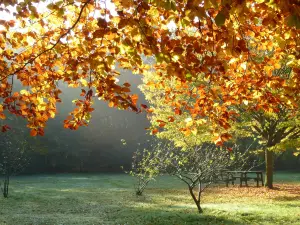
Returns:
point(170, 216)
point(288, 193)
point(293, 189)
point(288, 198)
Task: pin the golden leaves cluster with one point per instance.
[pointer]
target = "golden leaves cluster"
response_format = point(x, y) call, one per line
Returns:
point(228, 48)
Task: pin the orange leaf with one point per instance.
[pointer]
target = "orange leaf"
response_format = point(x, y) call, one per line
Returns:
point(155, 131)
point(150, 110)
point(162, 124)
point(2, 116)
point(111, 104)
point(134, 98)
point(171, 119)
point(33, 132)
point(126, 84)
point(229, 149)
point(41, 131)
point(126, 89)
point(178, 111)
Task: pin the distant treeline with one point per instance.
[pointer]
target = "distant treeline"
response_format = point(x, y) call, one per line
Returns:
point(113, 160)
point(70, 156)
point(94, 160)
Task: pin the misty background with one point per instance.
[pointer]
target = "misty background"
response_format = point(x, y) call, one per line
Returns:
point(106, 145)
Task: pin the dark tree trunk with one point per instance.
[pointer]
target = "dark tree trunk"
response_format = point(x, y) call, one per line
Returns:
point(6, 179)
point(269, 169)
point(142, 184)
point(5, 186)
point(197, 201)
point(81, 167)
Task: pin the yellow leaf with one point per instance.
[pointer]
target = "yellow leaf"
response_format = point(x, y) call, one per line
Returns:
point(244, 65)
point(24, 92)
point(84, 82)
point(277, 66)
point(52, 114)
point(296, 153)
point(201, 121)
point(194, 131)
point(189, 122)
point(137, 37)
point(110, 36)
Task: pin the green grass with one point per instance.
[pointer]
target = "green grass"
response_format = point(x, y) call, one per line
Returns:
point(109, 199)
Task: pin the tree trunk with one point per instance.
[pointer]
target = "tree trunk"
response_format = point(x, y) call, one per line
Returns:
point(197, 201)
point(5, 188)
point(269, 169)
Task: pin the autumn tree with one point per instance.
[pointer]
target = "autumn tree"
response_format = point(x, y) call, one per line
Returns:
point(173, 101)
point(78, 42)
point(276, 129)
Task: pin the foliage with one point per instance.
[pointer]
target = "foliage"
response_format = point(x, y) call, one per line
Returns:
point(276, 132)
point(80, 42)
point(185, 132)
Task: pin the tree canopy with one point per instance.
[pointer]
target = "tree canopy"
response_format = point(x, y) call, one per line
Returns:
point(212, 42)
point(276, 132)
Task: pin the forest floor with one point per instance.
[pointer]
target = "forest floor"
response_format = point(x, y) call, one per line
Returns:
point(110, 199)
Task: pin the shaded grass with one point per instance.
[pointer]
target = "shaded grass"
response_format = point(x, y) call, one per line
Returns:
point(110, 199)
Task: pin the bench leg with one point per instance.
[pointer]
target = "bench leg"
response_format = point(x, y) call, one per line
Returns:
point(244, 177)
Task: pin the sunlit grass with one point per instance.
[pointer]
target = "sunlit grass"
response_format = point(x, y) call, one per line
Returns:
point(110, 199)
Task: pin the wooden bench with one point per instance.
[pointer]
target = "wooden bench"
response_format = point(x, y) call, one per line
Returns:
point(224, 177)
point(243, 177)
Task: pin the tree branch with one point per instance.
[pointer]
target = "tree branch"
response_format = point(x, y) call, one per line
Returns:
point(53, 46)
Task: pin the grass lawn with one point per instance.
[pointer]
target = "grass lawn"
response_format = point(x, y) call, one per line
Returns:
point(109, 199)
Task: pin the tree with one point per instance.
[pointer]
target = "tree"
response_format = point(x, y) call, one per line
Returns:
point(80, 42)
point(276, 131)
point(146, 165)
point(197, 166)
point(14, 157)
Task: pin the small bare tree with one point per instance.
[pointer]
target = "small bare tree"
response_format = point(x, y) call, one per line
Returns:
point(201, 166)
point(146, 165)
point(198, 166)
point(14, 158)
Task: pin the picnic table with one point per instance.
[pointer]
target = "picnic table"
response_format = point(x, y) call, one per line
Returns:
point(243, 177)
